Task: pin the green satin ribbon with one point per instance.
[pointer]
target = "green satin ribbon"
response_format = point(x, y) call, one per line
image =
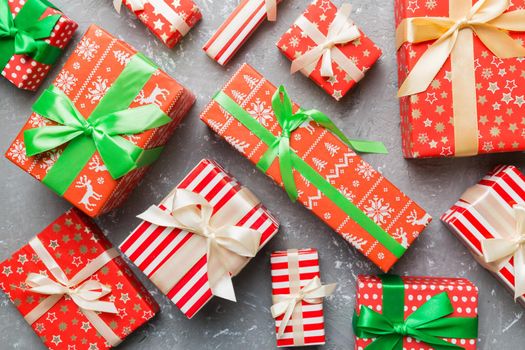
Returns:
point(100, 131)
point(25, 34)
point(279, 146)
point(427, 324)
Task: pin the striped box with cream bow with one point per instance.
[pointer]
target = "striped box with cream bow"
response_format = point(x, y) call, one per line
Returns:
point(298, 295)
point(489, 219)
point(202, 234)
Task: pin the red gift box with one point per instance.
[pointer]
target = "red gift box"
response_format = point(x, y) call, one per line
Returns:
point(175, 259)
point(89, 75)
point(474, 105)
point(67, 248)
point(486, 212)
point(349, 60)
point(23, 70)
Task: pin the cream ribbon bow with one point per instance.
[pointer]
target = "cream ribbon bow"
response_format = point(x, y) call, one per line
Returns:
point(312, 293)
point(501, 250)
point(341, 31)
point(271, 10)
point(191, 212)
point(487, 18)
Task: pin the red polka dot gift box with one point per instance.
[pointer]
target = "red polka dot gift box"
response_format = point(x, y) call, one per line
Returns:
point(74, 289)
point(36, 32)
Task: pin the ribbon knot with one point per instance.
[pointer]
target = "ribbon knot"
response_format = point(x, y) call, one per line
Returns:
point(401, 328)
point(88, 130)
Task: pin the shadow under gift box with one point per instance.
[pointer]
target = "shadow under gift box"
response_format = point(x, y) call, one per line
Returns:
point(86, 79)
point(74, 241)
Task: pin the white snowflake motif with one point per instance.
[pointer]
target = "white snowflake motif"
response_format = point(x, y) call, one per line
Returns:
point(100, 86)
point(18, 152)
point(327, 216)
point(487, 73)
point(66, 81)
point(37, 121)
point(355, 183)
point(260, 112)
point(380, 256)
point(87, 49)
point(365, 170)
point(347, 193)
point(76, 65)
point(49, 159)
point(422, 138)
point(100, 180)
point(378, 210)
point(294, 41)
point(297, 137)
point(431, 4)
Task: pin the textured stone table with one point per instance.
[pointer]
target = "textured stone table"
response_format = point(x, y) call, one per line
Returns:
point(369, 111)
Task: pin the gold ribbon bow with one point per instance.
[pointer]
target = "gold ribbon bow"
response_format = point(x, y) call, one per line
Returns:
point(312, 293)
point(225, 242)
point(341, 31)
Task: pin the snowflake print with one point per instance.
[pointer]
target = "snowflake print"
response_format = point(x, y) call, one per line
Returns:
point(18, 152)
point(66, 81)
point(422, 138)
point(76, 65)
point(378, 210)
point(347, 193)
point(100, 86)
point(294, 41)
point(380, 256)
point(355, 183)
point(100, 180)
point(297, 137)
point(260, 112)
point(487, 73)
point(49, 159)
point(87, 49)
point(37, 121)
point(431, 4)
point(365, 170)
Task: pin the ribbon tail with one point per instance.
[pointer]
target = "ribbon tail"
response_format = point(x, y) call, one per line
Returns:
point(387, 342)
point(307, 59)
point(159, 217)
point(219, 278)
point(117, 4)
point(271, 10)
point(286, 318)
point(495, 249)
point(326, 64)
point(499, 42)
point(519, 273)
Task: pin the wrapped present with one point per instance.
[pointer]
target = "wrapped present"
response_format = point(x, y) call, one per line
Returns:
point(238, 27)
point(462, 76)
point(33, 34)
point(424, 313)
point(325, 45)
point(203, 233)
point(170, 21)
point(489, 219)
point(93, 133)
point(317, 165)
point(74, 288)
point(298, 296)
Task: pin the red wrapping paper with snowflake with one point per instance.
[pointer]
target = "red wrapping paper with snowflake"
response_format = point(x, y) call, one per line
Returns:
point(350, 57)
point(73, 241)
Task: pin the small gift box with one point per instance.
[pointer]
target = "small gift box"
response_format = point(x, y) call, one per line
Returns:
point(200, 236)
point(325, 45)
point(298, 297)
point(74, 288)
point(421, 313)
point(33, 34)
point(462, 76)
point(238, 27)
point(489, 219)
point(170, 21)
point(306, 154)
point(102, 122)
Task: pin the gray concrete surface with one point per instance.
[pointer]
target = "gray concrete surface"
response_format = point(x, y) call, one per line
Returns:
point(369, 111)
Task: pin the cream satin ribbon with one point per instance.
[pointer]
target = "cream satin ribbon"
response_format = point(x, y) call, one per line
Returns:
point(312, 293)
point(224, 241)
point(177, 22)
point(86, 294)
point(341, 31)
point(271, 10)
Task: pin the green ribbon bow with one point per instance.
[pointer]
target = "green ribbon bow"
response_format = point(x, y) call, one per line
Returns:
point(101, 131)
point(427, 324)
point(25, 34)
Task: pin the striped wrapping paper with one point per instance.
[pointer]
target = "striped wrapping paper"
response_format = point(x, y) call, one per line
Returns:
point(235, 30)
point(306, 317)
point(150, 246)
point(506, 185)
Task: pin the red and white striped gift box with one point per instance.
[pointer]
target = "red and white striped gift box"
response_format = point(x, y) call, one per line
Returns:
point(307, 319)
point(235, 30)
point(504, 187)
point(151, 247)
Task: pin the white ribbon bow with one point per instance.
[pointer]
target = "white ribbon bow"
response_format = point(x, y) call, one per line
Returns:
point(501, 250)
point(191, 212)
point(312, 293)
point(271, 10)
point(136, 5)
point(341, 31)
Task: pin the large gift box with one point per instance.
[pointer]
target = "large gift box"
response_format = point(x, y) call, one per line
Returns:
point(422, 313)
point(74, 288)
point(462, 76)
point(489, 219)
point(33, 34)
point(200, 236)
point(298, 297)
point(170, 20)
point(93, 133)
point(325, 45)
point(316, 166)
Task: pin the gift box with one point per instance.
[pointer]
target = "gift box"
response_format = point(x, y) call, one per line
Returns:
point(298, 298)
point(74, 288)
point(330, 179)
point(93, 133)
point(421, 313)
point(36, 33)
point(489, 219)
point(461, 95)
point(238, 27)
point(208, 208)
point(325, 45)
point(170, 21)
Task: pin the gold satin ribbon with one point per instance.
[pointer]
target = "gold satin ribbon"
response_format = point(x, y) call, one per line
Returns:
point(454, 36)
